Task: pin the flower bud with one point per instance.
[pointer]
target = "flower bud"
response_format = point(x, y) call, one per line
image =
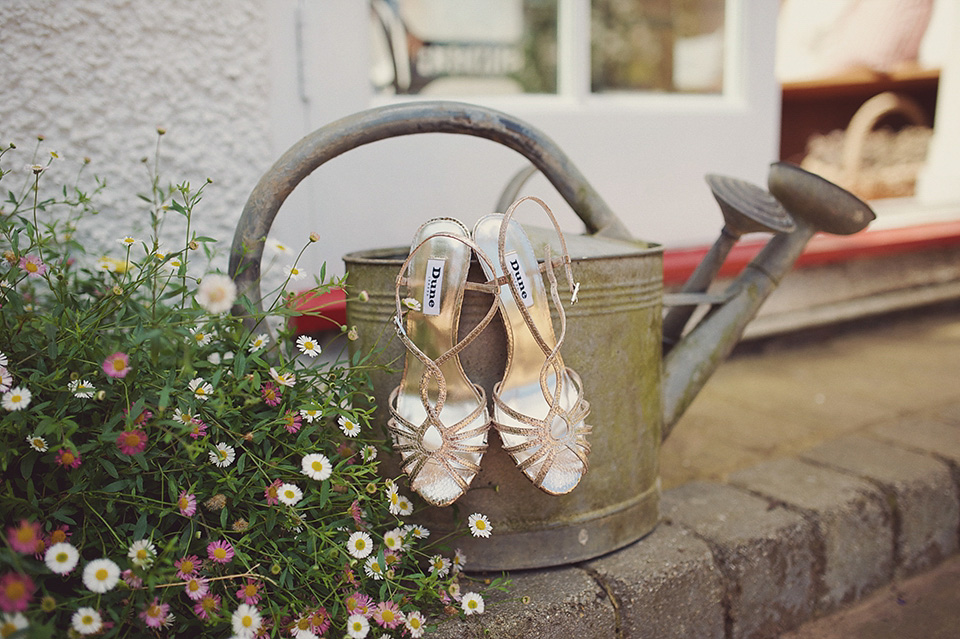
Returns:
point(194, 245)
point(363, 296)
point(275, 569)
point(99, 395)
point(161, 130)
point(248, 437)
point(217, 502)
point(240, 525)
point(352, 334)
point(314, 237)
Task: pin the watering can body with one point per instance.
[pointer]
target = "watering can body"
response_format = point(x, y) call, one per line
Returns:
point(613, 340)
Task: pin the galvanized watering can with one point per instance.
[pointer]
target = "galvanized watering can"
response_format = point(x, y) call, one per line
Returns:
point(640, 369)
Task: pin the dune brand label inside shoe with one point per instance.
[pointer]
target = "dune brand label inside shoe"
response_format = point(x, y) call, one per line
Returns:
point(433, 287)
point(519, 278)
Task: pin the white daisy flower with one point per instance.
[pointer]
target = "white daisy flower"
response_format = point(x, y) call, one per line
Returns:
point(310, 414)
point(284, 379)
point(17, 398)
point(104, 263)
point(439, 565)
point(61, 558)
point(360, 544)
point(86, 621)
point(368, 453)
point(200, 336)
point(201, 390)
point(81, 388)
point(216, 293)
point(222, 455)
point(142, 553)
point(9, 624)
point(278, 247)
point(308, 346)
point(127, 240)
point(393, 499)
point(404, 506)
point(174, 263)
point(246, 621)
point(3, 360)
point(289, 494)
point(258, 342)
point(459, 561)
point(37, 443)
point(417, 531)
point(414, 623)
point(294, 272)
point(472, 604)
point(183, 418)
point(373, 568)
point(393, 540)
point(316, 466)
point(100, 575)
point(349, 427)
point(479, 525)
point(412, 304)
point(6, 379)
point(357, 626)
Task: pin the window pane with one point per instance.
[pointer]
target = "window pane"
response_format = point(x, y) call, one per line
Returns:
point(464, 47)
point(657, 45)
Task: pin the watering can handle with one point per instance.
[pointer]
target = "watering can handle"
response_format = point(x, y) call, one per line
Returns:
point(397, 120)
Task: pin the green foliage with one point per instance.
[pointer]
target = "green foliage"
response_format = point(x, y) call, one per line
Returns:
point(136, 408)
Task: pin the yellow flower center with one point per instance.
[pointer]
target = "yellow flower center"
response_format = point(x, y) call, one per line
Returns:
point(183, 503)
point(142, 553)
point(7, 629)
point(289, 494)
point(118, 364)
point(133, 440)
point(414, 623)
point(318, 466)
point(208, 603)
point(193, 585)
point(37, 442)
point(220, 553)
point(387, 615)
point(186, 566)
point(61, 557)
point(67, 459)
point(101, 574)
point(15, 590)
point(86, 620)
point(25, 534)
point(246, 621)
point(17, 398)
point(58, 536)
point(32, 268)
point(250, 590)
point(472, 603)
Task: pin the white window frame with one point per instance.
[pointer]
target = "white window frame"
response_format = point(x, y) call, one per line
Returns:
point(646, 154)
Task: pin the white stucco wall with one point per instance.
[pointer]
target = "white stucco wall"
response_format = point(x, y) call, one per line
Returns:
point(98, 77)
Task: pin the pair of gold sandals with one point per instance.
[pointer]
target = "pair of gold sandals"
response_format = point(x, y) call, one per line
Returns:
point(439, 418)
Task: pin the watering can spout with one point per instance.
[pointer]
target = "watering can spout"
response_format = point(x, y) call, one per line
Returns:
point(815, 205)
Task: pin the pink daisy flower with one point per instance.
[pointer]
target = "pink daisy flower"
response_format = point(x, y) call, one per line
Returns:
point(292, 421)
point(320, 621)
point(68, 458)
point(220, 551)
point(117, 365)
point(33, 265)
point(198, 429)
point(249, 593)
point(132, 442)
point(24, 538)
point(16, 590)
point(272, 493)
point(357, 514)
point(359, 604)
point(141, 418)
point(271, 394)
point(155, 614)
point(187, 566)
point(387, 614)
point(187, 503)
point(60, 534)
point(209, 604)
point(196, 587)
point(131, 579)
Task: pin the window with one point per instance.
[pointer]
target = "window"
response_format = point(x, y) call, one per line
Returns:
point(491, 47)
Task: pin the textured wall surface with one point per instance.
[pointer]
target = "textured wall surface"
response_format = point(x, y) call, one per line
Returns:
point(98, 77)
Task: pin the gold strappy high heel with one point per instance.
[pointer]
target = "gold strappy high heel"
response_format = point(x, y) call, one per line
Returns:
point(539, 409)
point(439, 418)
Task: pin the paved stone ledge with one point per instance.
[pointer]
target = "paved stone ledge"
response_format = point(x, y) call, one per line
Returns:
point(778, 544)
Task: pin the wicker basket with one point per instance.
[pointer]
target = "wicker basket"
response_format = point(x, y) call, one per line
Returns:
point(874, 163)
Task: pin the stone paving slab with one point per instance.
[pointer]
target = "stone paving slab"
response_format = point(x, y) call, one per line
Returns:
point(666, 586)
point(559, 602)
point(852, 520)
point(921, 487)
point(765, 553)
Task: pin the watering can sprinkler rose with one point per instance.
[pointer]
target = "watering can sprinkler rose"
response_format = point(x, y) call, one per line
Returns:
point(639, 369)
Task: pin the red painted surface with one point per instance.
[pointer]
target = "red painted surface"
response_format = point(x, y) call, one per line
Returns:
point(329, 311)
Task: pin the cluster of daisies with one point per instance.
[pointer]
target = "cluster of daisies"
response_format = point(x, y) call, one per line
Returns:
point(167, 460)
